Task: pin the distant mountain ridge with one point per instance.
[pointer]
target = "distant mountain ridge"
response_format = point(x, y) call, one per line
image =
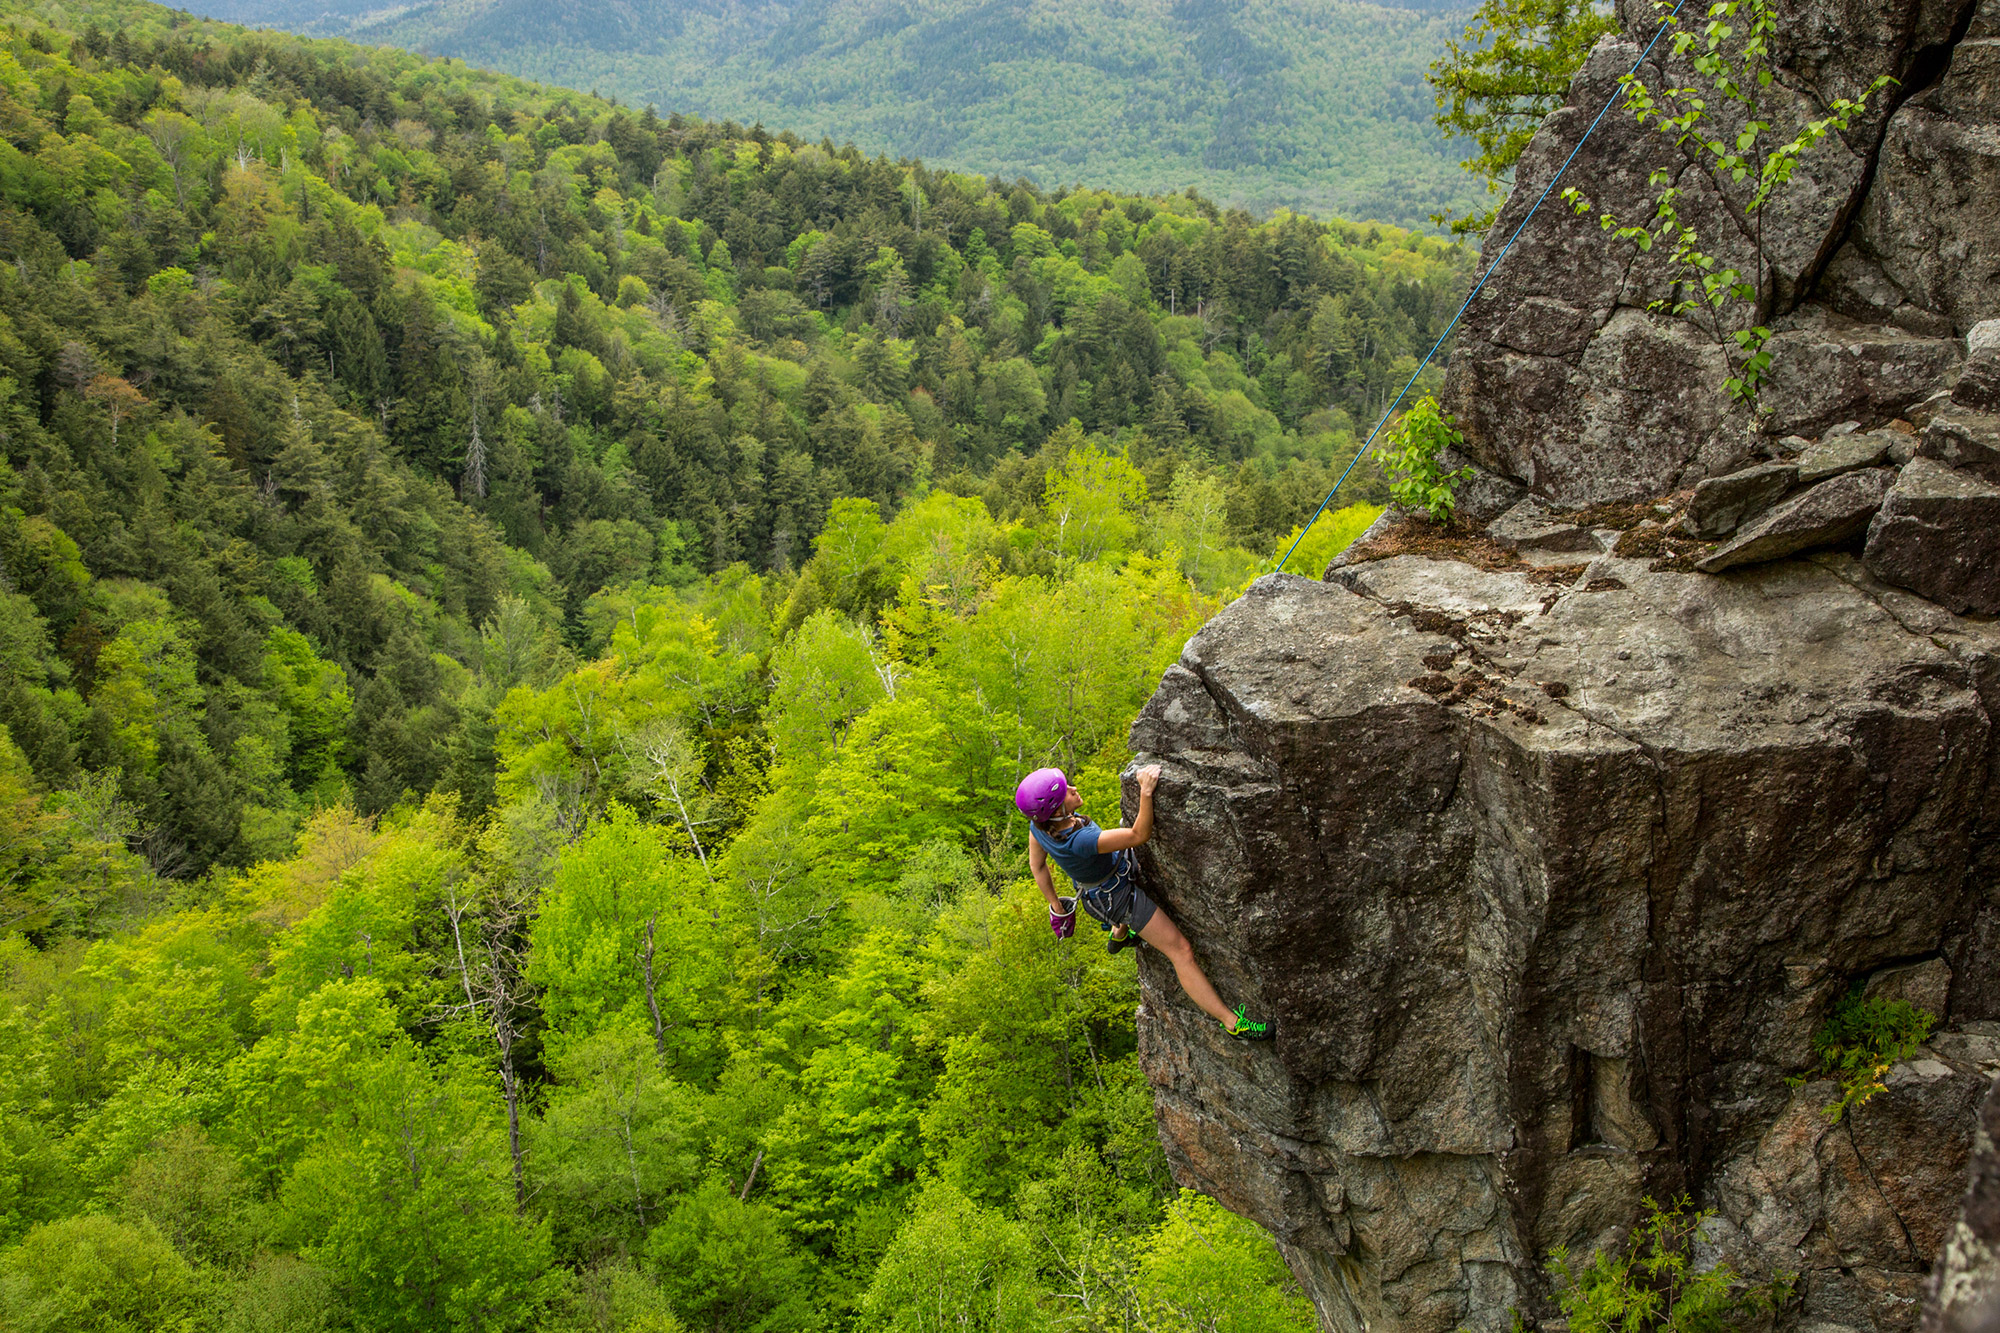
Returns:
point(1318, 105)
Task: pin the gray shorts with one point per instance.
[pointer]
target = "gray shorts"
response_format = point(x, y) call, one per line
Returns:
point(1117, 901)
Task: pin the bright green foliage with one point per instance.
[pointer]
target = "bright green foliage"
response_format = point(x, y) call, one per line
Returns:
point(1497, 81)
point(1651, 1284)
point(404, 1194)
point(1023, 1027)
point(1721, 122)
point(1092, 502)
point(851, 1131)
point(194, 1193)
point(726, 1264)
point(97, 1272)
point(1327, 538)
point(1411, 453)
point(955, 1265)
point(631, 938)
point(616, 1142)
point(1206, 1268)
point(317, 701)
point(1861, 1040)
point(891, 788)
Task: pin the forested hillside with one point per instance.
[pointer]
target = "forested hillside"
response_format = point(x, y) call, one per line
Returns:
point(1312, 104)
point(520, 623)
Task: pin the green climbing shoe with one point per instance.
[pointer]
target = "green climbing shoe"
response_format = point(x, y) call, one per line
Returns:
point(1131, 941)
point(1249, 1030)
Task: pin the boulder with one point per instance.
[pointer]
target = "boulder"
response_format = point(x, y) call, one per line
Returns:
point(1968, 441)
point(1825, 370)
point(1835, 454)
point(1483, 496)
point(1830, 513)
point(1924, 248)
point(1938, 534)
point(1964, 1295)
point(1721, 503)
point(1532, 526)
point(1547, 890)
point(1927, 985)
point(1979, 383)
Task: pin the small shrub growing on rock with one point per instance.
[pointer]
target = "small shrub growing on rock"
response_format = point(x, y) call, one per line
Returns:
point(1861, 1040)
point(1651, 1284)
point(1413, 447)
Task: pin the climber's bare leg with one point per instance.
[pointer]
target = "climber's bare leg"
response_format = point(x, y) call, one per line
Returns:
point(1164, 935)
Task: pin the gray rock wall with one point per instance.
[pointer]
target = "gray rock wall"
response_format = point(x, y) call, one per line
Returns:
point(1549, 849)
point(1546, 945)
point(1965, 1291)
point(1881, 255)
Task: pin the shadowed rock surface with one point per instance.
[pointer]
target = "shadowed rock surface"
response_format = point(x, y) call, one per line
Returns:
point(1549, 862)
point(1965, 1293)
point(1547, 944)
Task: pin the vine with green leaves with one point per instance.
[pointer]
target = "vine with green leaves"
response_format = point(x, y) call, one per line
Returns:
point(1730, 56)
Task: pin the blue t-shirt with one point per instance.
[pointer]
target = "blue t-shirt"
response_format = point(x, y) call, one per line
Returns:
point(1076, 852)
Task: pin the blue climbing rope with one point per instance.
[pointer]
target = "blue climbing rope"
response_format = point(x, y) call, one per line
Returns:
point(1369, 443)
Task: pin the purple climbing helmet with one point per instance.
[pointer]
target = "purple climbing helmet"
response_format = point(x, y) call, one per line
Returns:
point(1041, 793)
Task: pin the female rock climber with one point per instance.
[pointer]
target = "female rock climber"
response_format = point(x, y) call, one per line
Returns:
point(1099, 863)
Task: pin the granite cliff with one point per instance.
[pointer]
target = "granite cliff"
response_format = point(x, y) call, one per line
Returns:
point(1549, 839)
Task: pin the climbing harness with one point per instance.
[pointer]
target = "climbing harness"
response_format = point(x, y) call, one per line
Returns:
point(1369, 443)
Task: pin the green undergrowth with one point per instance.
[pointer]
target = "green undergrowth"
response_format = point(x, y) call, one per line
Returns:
point(1653, 1283)
point(1860, 1041)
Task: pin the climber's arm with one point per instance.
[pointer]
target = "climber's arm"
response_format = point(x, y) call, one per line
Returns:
point(1118, 839)
point(1039, 864)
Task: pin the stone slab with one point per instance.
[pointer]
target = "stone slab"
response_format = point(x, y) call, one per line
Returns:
point(1844, 453)
point(1830, 513)
point(1721, 504)
point(1938, 534)
point(1532, 525)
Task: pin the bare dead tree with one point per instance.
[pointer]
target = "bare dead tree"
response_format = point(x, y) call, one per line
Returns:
point(492, 976)
point(674, 765)
point(563, 794)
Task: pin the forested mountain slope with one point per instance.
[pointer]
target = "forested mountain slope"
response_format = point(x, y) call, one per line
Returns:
point(1314, 104)
point(520, 620)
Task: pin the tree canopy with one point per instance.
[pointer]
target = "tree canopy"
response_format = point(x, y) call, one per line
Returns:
point(520, 623)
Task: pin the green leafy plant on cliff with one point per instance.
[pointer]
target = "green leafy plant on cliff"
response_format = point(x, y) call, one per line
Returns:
point(1720, 121)
point(1861, 1040)
point(1411, 455)
point(1652, 1284)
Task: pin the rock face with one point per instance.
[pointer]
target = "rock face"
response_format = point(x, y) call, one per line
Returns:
point(1937, 534)
point(1552, 938)
point(1548, 860)
point(1566, 380)
point(1965, 1292)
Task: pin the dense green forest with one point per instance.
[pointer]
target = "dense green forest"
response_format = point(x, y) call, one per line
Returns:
point(1309, 104)
point(520, 622)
